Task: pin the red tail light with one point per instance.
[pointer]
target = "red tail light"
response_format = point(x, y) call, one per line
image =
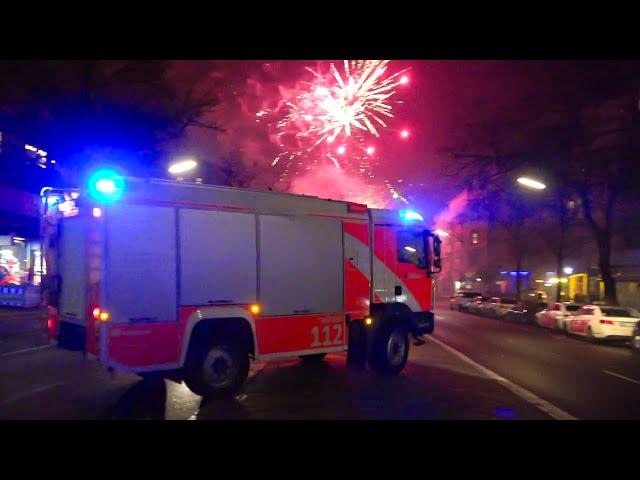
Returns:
point(52, 322)
point(101, 315)
point(608, 322)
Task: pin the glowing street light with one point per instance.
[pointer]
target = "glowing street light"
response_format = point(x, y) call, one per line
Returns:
point(370, 150)
point(182, 166)
point(441, 233)
point(404, 80)
point(341, 150)
point(404, 133)
point(531, 183)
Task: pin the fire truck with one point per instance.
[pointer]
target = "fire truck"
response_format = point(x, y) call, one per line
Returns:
point(194, 281)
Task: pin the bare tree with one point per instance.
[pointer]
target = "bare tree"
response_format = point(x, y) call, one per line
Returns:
point(69, 106)
point(579, 128)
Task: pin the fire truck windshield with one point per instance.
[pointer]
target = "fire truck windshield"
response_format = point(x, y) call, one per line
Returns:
point(411, 247)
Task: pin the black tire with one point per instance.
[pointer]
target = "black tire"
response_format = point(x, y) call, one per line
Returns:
point(391, 349)
point(313, 358)
point(219, 367)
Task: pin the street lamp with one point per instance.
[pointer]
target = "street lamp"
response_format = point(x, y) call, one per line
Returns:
point(182, 166)
point(531, 183)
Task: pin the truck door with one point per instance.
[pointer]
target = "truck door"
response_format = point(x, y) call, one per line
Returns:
point(140, 290)
point(72, 271)
point(301, 285)
point(398, 274)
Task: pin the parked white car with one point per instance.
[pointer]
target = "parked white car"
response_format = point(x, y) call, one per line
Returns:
point(497, 306)
point(603, 323)
point(461, 299)
point(556, 314)
point(475, 305)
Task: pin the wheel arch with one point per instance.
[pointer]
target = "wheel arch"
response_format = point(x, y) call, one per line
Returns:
point(383, 314)
point(207, 322)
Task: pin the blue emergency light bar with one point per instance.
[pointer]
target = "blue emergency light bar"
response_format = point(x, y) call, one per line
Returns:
point(106, 186)
point(410, 215)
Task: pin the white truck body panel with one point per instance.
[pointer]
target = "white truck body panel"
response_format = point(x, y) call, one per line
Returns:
point(73, 270)
point(301, 263)
point(140, 267)
point(218, 257)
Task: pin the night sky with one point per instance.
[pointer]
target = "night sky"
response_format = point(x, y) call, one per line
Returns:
point(441, 97)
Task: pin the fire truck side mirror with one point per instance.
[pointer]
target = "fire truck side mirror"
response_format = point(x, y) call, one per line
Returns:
point(436, 247)
point(437, 261)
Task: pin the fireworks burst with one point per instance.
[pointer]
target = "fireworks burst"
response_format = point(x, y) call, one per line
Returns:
point(335, 117)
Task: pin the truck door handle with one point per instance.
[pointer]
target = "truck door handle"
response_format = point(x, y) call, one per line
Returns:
point(305, 310)
point(211, 302)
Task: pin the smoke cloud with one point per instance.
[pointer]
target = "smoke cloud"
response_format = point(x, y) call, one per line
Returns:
point(455, 207)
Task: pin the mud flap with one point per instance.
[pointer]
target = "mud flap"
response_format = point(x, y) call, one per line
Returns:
point(357, 349)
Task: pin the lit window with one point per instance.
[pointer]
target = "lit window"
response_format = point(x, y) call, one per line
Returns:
point(474, 238)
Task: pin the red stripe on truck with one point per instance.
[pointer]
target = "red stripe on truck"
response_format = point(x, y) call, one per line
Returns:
point(295, 333)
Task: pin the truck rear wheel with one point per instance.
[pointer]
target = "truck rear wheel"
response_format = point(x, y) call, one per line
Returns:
point(391, 349)
point(219, 367)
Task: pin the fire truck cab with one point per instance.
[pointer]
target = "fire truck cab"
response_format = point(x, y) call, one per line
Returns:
point(195, 281)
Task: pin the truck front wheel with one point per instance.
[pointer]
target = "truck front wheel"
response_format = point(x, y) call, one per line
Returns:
point(216, 368)
point(391, 349)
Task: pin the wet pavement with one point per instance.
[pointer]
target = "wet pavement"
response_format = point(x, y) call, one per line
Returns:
point(22, 328)
point(590, 382)
point(59, 384)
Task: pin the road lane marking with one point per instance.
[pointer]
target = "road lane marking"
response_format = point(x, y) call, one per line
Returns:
point(548, 408)
point(33, 349)
point(32, 392)
point(621, 376)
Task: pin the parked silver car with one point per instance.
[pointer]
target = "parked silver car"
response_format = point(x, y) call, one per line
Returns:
point(460, 299)
point(497, 307)
point(475, 306)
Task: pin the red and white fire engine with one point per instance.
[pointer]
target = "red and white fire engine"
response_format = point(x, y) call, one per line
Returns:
point(195, 281)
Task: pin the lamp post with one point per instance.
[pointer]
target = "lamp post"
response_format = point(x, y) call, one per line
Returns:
point(181, 167)
point(531, 183)
point(563, 218)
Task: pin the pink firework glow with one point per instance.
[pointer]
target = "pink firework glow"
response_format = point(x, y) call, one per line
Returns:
point(353, 106)
point(295, 119)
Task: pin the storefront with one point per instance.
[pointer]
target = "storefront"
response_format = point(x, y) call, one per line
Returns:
point(21, 264)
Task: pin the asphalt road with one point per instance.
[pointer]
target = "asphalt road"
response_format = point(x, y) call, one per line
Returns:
point(436, 384)
point(587, 381)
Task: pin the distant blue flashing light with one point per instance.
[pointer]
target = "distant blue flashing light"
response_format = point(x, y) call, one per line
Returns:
point(106, 186)
point(409, 215)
